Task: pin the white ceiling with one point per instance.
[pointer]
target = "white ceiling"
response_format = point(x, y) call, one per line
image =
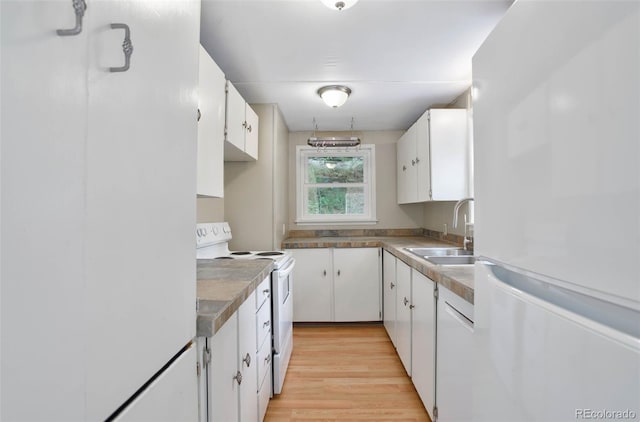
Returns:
point(399, 57)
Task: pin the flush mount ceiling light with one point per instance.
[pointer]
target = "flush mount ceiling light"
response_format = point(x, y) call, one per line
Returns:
point(334, 95)
point(339, 4)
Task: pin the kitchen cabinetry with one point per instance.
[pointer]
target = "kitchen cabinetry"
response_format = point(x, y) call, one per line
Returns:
point(241, 136)
point(239, 383)
point(389, 296)
point(433, 158)
point(93, 162)
point(403, 312)
point(211, 121)
point(340, 284)
point(455, 362)
point(423, 339)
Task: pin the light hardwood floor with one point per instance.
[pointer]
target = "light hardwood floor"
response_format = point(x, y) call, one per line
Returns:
point(345, 373)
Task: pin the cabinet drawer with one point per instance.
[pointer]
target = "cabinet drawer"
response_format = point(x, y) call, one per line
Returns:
point(264, 360)
point(264, 394)
point(263, 292)
point(263, 324)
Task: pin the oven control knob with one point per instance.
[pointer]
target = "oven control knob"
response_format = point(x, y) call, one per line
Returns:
point(215, 230)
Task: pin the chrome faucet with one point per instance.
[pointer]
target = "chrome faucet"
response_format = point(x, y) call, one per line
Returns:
point(456, 209)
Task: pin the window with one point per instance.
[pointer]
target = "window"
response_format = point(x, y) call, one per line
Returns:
point(336, 185)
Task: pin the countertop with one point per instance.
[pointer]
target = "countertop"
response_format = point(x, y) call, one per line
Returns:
point(457, 278)
point(223, 285)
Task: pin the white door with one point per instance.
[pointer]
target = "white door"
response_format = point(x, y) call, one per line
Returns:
point(251, 132)
point(223, 385)
point(247, 347)
point(423, 160)
point(43, 114)
point(389, 294)
point(356, 278)
point(449, 147)
point(211, 104)
point(172, 397)
point(403, 324)
point(423, 339)
point(406, 152)
point(235, 119)
point(313, 285)
point(141, 185)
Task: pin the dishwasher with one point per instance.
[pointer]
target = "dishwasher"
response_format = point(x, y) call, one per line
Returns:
point(454, 355)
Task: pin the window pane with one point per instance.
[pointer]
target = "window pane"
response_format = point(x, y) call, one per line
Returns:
point(335, 169)
point(343, 201)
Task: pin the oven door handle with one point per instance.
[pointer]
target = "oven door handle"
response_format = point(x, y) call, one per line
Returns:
point(284, 272)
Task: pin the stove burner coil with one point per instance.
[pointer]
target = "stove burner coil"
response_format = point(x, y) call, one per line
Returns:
point(241, 253)
point(274, 253)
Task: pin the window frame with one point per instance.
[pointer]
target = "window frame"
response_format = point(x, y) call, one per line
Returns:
point(367, 152)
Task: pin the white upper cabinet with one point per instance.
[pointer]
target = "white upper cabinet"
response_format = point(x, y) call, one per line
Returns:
point(433, 158)
point(241, 140)
point(211, 107)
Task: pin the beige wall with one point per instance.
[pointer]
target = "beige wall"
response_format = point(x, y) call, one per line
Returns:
point(209, 210)
point(390, 215)
point(437, 214)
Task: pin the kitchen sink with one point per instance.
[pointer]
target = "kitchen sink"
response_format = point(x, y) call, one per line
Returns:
point(451, 260)
point(431, 252)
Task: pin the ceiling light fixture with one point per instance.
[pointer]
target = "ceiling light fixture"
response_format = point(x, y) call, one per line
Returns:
point(339, 4)
point(334, 95)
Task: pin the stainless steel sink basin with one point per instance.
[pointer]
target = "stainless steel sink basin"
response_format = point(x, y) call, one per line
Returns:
point(451, 260)
point(431, 252)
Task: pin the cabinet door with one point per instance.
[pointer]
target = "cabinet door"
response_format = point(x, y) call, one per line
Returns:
point(313, 285)
point(247, 348)
point(251, 133)
point(356, 276)
point(235, 121)
point(211, 104)
point(403, 324)
point(423, 159)
point(407, 151)
point(223, 387)
point(389, 294)
point(450, 161)
point(423, 339)
point(401, 157)
point(44, 116)
point(140, 173)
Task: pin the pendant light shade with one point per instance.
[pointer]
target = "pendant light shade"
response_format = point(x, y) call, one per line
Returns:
point(339, 4)
point(334, 95)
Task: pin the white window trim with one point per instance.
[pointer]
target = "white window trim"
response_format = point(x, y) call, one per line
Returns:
point(302, 152)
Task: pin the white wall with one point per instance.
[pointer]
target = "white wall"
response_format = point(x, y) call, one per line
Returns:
point(390, 215)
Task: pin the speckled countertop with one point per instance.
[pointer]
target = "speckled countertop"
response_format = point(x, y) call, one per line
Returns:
point(457, 278)
point(223, 285)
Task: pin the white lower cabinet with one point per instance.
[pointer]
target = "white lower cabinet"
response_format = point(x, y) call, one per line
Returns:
point(239, 368)
point(423, 338)
point(389, 296)
point(337, 284)
point(410, 320)
point(403, 312)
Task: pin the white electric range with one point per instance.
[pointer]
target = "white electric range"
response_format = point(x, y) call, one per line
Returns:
point(212, 242)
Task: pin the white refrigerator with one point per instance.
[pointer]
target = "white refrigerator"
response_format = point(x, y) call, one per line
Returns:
point(556, 110)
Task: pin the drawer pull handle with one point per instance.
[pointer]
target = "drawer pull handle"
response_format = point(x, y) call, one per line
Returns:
point(405, 301)
point(247, 360)
point(393, 285)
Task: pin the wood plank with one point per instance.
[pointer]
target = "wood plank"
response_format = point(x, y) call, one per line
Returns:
point(345, 372)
